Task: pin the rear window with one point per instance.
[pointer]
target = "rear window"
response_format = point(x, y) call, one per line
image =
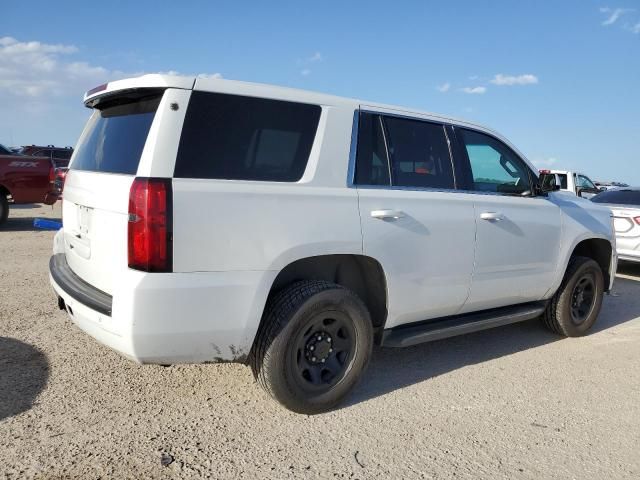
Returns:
point(619, 197)
point(62, 154)
point(243, 138)
point(116, 134)
point(563, 180)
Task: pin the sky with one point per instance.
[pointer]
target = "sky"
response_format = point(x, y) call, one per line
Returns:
point(561, 80)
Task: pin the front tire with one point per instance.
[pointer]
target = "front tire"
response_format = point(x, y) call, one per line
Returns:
point(574, 308)
point(313, 346)
point(4, 208)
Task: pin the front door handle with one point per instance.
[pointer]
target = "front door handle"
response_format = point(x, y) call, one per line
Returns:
point(492, 216)
point(387, 214)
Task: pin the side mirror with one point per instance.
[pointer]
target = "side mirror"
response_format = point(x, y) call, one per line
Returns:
point(548, 182)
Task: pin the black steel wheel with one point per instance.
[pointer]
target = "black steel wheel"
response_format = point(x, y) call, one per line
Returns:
point(574, 308)
point(323, 350)
point(314, 342)
point(583, 298)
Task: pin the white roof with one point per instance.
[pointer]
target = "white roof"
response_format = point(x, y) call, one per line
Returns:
point(237, 87)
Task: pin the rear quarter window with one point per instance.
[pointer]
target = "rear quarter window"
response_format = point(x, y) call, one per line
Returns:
point(244, 138)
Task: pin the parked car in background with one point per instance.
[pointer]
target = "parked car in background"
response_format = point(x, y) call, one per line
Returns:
point(7, 151)
point(608, 185)
point(60, 176)
point(59, 155)
point(624, 202)
point(577, 183)
point(25, 179)
point(306, 229)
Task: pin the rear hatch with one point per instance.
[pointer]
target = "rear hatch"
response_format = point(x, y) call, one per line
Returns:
point(96, 191)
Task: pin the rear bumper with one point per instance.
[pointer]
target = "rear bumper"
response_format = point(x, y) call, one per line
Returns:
point(628, 248)
point(169, 318)
point(78, 289)
point(51, 198)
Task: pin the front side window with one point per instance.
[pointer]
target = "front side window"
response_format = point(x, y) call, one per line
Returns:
point(419, 154)
point(585, 182)
point(494, 166)
point(244, 138)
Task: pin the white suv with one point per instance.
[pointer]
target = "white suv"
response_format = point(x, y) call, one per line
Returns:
point(208, 220)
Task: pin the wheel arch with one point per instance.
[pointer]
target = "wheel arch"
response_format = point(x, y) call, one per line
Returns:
point(4, 190)
point(359, 273)
point(598, 249)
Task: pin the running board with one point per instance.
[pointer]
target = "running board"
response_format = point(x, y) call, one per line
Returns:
point(430, 330)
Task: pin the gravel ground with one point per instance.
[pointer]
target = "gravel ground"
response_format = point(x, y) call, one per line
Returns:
point(513, 402)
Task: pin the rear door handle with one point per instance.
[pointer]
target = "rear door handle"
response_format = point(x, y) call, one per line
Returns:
point(387, 214)
point(492, 216)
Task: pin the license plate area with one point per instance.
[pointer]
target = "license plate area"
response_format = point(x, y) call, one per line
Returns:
point(85, 215)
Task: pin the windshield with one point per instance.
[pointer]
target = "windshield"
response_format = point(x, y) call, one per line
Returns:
point(4, 150)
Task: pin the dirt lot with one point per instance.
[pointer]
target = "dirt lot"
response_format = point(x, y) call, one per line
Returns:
point(513, 402)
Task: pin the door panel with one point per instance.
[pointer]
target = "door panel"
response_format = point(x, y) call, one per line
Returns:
point(425, 243)
point(517, 247)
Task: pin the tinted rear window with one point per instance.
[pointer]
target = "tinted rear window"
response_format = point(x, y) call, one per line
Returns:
point(116, 134)
point(618, 197)
point(244, 138)
point(563, 180)
point(62, 154)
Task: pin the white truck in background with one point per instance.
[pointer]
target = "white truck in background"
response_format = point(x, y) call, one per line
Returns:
point(575, 182)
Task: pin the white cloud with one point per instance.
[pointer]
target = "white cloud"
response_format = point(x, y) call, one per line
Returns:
point(474, 77)
point(444, 87)
point(545, 162)
point(36, 70)
point(305, 72)
point(209, 75)
point(614, 14)
point(474, 90)
point(636, 28)
point(316, 57)
point(526, 79)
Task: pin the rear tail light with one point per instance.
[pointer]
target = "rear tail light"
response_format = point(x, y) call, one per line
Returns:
point(150, 227)
point(52, 174)
point(637, 220)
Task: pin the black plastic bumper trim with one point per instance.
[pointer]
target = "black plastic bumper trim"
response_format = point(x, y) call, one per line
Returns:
point(78, 289)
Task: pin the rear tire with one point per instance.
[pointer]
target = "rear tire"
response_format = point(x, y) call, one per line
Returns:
point(4, 208)
point(574, 308)
point(313, 346)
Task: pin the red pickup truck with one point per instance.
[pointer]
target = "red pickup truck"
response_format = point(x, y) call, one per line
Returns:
point(25, 179)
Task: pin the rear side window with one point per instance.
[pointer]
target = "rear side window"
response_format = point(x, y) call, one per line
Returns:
point(419, 154)
point(243, 138)
point(116, 134)
point(619, 197)
point(372, 166)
